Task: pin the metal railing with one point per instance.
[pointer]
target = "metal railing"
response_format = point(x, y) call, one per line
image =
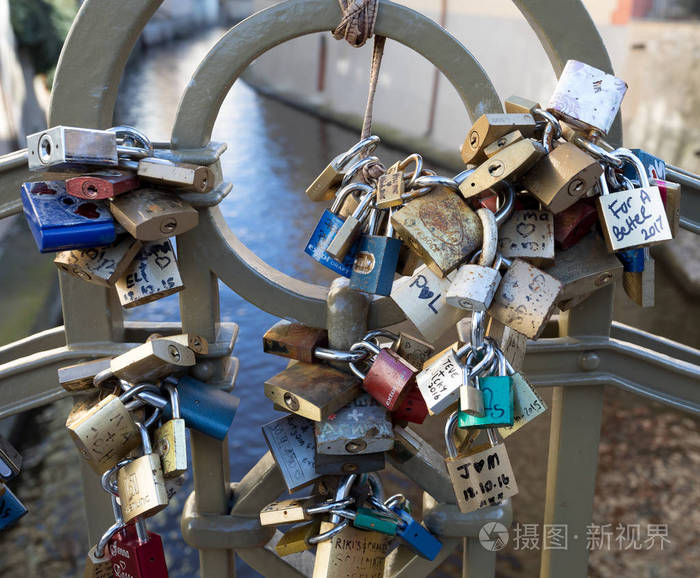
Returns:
point(589, 352)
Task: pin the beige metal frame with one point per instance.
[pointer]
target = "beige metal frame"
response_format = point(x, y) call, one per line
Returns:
point(589, 351)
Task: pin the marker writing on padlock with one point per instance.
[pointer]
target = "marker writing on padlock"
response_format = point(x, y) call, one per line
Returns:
point(425, 293)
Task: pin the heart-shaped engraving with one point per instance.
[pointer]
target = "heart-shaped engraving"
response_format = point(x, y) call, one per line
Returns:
point(425, 293)
point(478, 466)
point(536, 283)
point(162, 261)
point(525, 229)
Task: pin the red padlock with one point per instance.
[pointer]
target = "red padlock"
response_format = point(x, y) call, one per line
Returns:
point(413, 408)
point(137, 553)
point(389, 378)
point(102, 185)
point(574, 223)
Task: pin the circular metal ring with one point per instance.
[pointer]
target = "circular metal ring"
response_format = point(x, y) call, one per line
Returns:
point(367, 145)
point(417, 171)
point(330, 533)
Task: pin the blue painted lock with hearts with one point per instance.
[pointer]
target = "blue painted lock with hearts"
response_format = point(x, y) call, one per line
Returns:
point(60, 222)
point(11, 509)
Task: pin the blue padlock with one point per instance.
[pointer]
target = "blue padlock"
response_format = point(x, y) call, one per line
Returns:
point(656, 167)
point(59, 221)
point(498, 399)
point(632, 260)
point(329, 224)
point(205, 408)
point(417, 537)
point(11, 509)
point(376, 260)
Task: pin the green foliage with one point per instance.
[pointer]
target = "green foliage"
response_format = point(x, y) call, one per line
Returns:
point(40, 27)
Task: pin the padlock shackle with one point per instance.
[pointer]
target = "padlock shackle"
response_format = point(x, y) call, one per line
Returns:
point(417, 171)
point(366, 346)
point(432, 181)
point(450, 428)
point(328, 506)
point(106, 537)
point(343, 193)
point(330, 533)
point(375, 483)
point(174, 400)
point(343, 492)
point(489, 238)
point(367, 145)
point(393, 337)
point(597, 152)
point(134, 134)
point(357, 167)
point(328, 354)
point(628, 156)
point(506, 208)
point(145, 439)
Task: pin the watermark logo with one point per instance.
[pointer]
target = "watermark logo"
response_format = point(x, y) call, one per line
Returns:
point(493, 536)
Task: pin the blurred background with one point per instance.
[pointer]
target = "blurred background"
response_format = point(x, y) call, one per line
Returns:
point(299, 106)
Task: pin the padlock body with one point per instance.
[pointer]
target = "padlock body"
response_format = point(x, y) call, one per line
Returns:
point(574, 223)
point(102, 185)
point(632, 260)
point(338, 465)
point(586, 97)
point(473, 287)
point(152, 275)
point(440, 228)
point(440, 381)
point(98, 567)
point(471, 401)
point(639, 286)
point(527, 405)
point(416, 537)
point(141, 486)
point(390, 187)
point(671, 198)
point(352, 552)
point(368, 519)
point(655, 167)
point(205, 408)
point(498, 404)
point(412, 349)
point(488, 128)
point(170, 440)
point(484, 478)
point(413, 408)
point(345, 239)
point(100, 265)
point(328, 226)
point(360, 427)
point(66, 148)
point(78, 377)
point(104, 433)
point(60, 222)
point(422, 298)
point(132, 558)
point(528, 235)
point(293, 446)
point(633, 218)
point(375, 264)
point(11, 509)
point(389, 379)
point(295, 540)
point(196, 178)
point(511, 342)
point(325, 185)
point(294, 340)
point(152, 360)
point(285, 512)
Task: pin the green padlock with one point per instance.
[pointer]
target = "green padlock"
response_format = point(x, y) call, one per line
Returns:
point(368, 519)
point(498, 399)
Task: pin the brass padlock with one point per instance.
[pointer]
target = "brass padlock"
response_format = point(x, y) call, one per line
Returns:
point(101, 265)
point(196, 343)
point(412, 349)
point(150, 214)
point(505, 141)
point(79, 376)
point(440, 228)
point(671, 197)
point(151, 360)
point(562, 177)
point(351, 228)
point(528, 235)
point(141, 484)
point(313, 391)
point(488, 128)
point(351, 552)
point(152, 275)
point(199, 179)
point(519, 105)
point(508, 164)
point(294, 340)
point(171, 439)
point(296, 539)
point(639, 285)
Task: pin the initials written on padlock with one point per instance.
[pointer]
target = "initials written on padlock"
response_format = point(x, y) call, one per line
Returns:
point(528, 235)
point(100, 265)
point(293, 446)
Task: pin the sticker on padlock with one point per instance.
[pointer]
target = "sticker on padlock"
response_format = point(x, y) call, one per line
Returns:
point(60, 222)
point(100, 265)
point(102, 185)
point(293, 446)
point(481, 478)
point(152, 275)
point(67, 148)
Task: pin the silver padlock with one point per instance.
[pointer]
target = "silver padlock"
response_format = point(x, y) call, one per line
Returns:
point(293, 446)
point(67, 148)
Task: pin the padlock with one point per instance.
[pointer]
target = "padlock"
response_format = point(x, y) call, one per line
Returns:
point(671, 198)
point(505, 141)
point(67, 148)
point(296, 539)
point(639, 285)
point(137, 553)
point(632, 217)
point(519, 105)
point(293, 446)
point(422, 298)
point(141, 484)
point(488, 128)
point(61, 222)
point(170, 439)
point(440, 228)
point(497, 393)
point(150, 361)
point(152, 275)
point(195, 342)
point(11, 509)
point(151, 215)
point(525, 299)
point(326, 229)
point(328, 464)
point(100, 265)
point(441, 378)
point(414, 535)
point(512, 343)
point(562, 177)
point(528, 235)
point(98, 562)
point(298, 510)
point(412, 349)
point(102, 184)
point(508, 164)
point(375, 262)
point(184, 176)
point(324, 186)
point(11, 459)
point(390, 188)
point(585, 268)
point(313, 391)
point(360, 427)
point(389, 377)
point(471, 397)
point(409, 261)
point(527, 403)
point(574, 223)
point(345, 238)
point(356, 174)
point(655, 167)
point(587, 98)
point(413, 408)
point(481, 478)
point(294, 340)
point(370, 519)
point(205, 408)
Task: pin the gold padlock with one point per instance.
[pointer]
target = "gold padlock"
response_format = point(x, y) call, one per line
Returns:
point(440, 228)
point(199, 179)
point(170, 439)
point(79, 376)
point(505, 141)
point(297, 539)
point(150, 214)
point(351, 552)
point(639, 286)
point(101, 265)
point(488, 128)
point(152, 360)
point(519, 105)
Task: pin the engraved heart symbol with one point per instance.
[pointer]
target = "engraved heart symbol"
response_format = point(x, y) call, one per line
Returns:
point(525, 229)
point(162, 262)
point(536, 283)
point(425, 293)
point(478, 466)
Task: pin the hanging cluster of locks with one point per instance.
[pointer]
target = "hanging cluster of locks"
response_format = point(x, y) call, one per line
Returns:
point(545, 214)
